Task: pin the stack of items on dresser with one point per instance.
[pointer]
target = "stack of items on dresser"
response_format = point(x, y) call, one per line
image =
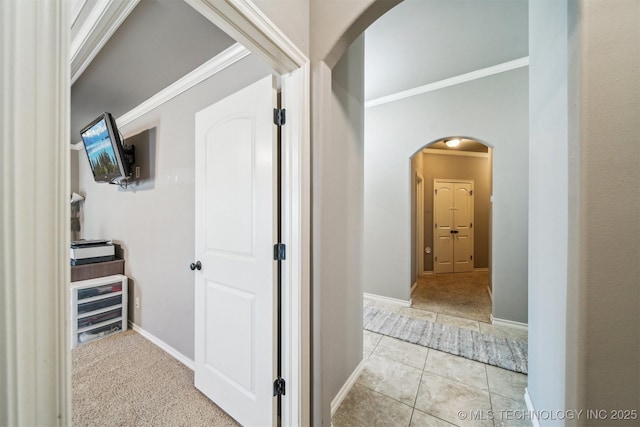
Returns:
point(90, 251)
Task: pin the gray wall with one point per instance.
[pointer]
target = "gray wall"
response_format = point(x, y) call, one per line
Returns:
point(425, 41)
point(584, 338)
point(74, 157)
point(548, 215)
point(337, 228)
point(493, 110)
point(154, 223)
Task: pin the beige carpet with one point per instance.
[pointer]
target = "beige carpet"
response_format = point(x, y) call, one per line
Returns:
point(458, 294)
point(125, 380)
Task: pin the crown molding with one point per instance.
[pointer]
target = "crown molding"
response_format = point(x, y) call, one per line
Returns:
point(454, 153)
point(463, 78)
point(216, 64)
point(246, 23)
point(101, 23)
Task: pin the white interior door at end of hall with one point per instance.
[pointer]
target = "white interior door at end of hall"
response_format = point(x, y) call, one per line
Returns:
point(235, 232)
point(453, 236)
point(443, 225)
point(463, 238)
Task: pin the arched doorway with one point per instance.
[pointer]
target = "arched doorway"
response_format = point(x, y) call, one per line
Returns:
point(452, 187)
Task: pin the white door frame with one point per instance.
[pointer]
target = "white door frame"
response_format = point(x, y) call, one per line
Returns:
point(419, 249)
point(34, 201)
point(30, 401)
point(244, 22)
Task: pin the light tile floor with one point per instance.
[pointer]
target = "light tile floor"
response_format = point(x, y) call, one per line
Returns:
point(404, 384)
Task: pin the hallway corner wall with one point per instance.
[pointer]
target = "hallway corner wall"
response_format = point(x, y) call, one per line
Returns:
point(337, 229)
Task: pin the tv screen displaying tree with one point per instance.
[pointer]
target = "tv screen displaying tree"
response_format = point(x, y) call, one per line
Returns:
point(102, 146)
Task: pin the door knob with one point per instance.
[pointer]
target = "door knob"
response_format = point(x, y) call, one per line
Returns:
point(196, 266)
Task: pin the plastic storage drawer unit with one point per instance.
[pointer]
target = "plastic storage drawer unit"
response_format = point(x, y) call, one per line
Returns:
point(98, 308)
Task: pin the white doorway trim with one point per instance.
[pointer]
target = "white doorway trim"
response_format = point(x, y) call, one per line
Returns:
point(296, 231)
point(419, 249)
point(244, 22)
point(38, 387)
point(34, 201)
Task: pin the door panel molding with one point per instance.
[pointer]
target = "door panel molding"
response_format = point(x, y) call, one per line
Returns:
point(235, 230)
point(453, 217)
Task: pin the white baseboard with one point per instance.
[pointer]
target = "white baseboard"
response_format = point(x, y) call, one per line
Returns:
point(337, 401)
point(531, 408)
point(413, 287)
point(481, 269)
point(509, 323)
point(164, 346)
point(388, 300)
point(425, 273)
point(490, 293)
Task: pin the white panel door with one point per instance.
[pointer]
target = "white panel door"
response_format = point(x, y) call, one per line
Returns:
point(453, 230)
point(235, 233)
point(462, 238)
point(443, 226)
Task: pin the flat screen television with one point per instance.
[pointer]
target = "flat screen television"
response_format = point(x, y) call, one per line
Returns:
point(105, 150)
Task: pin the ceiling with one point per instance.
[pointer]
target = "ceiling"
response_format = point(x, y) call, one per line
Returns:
point(465, 145)
point(416, 43)
point(424, 41)
point(159, 42)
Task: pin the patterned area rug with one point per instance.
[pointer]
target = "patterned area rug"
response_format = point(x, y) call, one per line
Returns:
point(504, 353)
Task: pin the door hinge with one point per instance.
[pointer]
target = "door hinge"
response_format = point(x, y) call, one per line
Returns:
point(435, 259)
point(279, 252)
point(471, 193)
point(279, 116)
point(471, 225)
point(436, 225)
point(436, 190)
point(279, 387)
point(471, 257)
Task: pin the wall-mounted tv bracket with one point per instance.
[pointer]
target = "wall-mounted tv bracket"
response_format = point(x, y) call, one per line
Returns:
point(129, 152)
point(130, 156)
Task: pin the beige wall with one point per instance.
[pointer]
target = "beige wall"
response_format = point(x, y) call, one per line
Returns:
point(334, 24)
point(323, 29)
point(608, 148)
point(436, 166)
point(291, 17)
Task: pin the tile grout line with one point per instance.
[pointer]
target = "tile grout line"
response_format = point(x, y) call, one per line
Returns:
point(439, 317)
point(420, 385)
point(384, 395)
point(415, 400)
